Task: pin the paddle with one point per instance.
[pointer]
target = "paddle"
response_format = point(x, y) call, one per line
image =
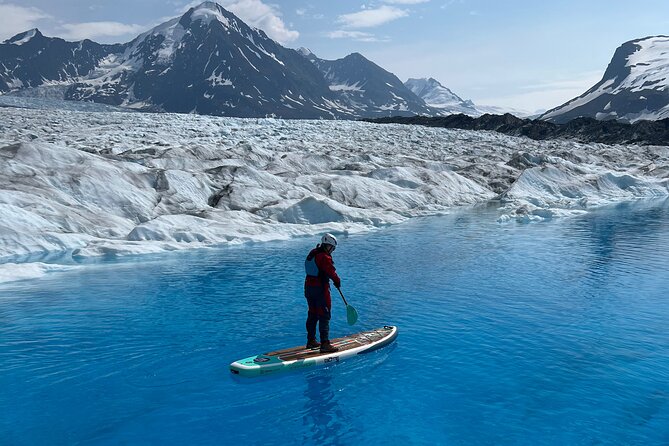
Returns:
point(351, 313)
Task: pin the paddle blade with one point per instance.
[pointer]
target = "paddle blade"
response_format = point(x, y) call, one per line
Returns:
point(351, 315)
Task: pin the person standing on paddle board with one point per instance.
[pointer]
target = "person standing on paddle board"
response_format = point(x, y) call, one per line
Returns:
point(320, 270)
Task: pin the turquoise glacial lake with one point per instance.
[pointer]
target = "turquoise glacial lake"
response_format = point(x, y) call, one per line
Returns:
point(520, 334)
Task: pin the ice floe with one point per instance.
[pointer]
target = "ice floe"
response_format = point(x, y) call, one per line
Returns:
point(12, 272)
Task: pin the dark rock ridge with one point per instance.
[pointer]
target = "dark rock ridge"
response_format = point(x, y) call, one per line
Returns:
point(586, 130)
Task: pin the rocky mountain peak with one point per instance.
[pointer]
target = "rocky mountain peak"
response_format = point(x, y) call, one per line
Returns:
point(206, 13)
point(24, 37)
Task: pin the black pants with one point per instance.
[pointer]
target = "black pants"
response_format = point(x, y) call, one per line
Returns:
point(323, 327)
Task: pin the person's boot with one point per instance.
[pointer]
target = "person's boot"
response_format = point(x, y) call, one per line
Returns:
point(311, 343)
point(327, 347)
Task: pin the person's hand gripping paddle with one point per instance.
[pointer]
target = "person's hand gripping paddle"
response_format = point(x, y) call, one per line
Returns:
point(351, 313)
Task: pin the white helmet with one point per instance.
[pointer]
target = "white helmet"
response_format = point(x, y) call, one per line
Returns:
point(329, 239)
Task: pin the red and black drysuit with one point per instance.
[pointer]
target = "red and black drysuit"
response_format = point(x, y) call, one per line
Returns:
point(320, 269)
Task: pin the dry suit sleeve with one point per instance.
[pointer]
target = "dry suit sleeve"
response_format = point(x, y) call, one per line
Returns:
point(326, 265)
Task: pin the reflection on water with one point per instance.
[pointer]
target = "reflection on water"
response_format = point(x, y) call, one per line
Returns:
point(641, 227)
point(322, 412)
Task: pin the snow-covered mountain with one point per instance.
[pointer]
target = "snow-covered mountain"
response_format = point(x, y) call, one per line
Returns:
point(210, 62)
point(635, 86)
point(207, 61)
point(436, 95)
point(30, 59)
point(368, 89)
point(446, 102)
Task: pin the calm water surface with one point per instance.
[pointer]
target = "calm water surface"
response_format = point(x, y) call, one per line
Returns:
point(550, 333)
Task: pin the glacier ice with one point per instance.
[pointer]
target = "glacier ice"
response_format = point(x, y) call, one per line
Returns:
point(100, 183)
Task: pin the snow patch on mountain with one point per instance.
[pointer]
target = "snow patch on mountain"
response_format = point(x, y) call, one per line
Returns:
point(346, 87)
point(218, 79)
point(306, 52)
point(649, 66)
point(22, 38)
point(208, 11)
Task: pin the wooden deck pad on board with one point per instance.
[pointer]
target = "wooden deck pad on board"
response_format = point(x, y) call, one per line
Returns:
point(344, 343)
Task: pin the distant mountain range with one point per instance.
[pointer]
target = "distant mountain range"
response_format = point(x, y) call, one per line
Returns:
point(207, 61)
point(634, 87)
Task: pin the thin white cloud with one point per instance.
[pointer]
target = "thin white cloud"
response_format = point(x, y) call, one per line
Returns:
point(354, 35)
point(308, 13)
point(547, 95)
point(370, 18)
point(94, 30)
point(577, 82)
point(259, 15)
point(450, 3)
point(15, 19)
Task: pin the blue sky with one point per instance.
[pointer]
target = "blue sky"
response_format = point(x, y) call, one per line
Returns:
point(512, 53)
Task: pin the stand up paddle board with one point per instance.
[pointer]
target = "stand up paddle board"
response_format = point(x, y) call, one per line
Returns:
point(300, 357)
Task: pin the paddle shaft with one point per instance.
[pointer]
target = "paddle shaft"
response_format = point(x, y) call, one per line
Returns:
point(342, 296)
